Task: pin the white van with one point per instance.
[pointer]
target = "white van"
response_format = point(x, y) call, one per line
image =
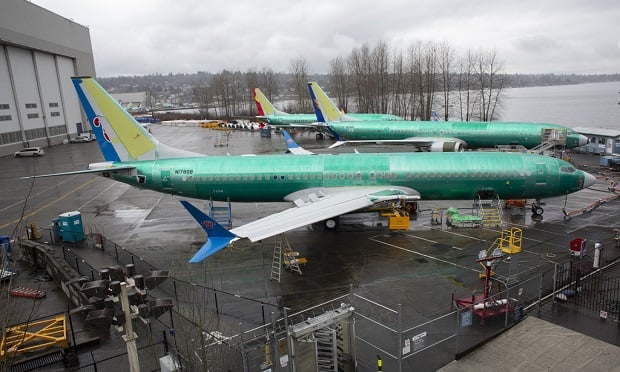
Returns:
point(29, 151)
point(84, 137)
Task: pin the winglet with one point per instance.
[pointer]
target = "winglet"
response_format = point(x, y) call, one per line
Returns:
point(218, 237)
point(293, 147)
point(325, 109)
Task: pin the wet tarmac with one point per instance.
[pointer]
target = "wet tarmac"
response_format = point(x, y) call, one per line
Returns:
point(418, 269)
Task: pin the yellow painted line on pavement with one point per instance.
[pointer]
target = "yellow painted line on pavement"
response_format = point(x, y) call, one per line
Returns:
point(48, 204)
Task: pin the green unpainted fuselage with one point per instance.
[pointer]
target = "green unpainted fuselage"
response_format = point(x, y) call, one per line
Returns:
point(300, 119)
point(475, 134)
point(269, 178)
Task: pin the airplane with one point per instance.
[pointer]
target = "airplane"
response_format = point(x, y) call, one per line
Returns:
point(320, 187)
point(272, 116)
point(436, 136)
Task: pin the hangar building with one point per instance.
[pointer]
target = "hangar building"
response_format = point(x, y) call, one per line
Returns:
point(39, 52)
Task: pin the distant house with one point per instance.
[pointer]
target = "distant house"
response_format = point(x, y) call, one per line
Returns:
point(602, 141)
point(132, 102)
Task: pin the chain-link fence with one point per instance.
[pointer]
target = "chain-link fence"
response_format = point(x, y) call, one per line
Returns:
point(216, 330)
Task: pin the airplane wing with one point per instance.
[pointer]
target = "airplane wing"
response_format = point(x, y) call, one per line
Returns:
point(439, 144)
point(311, 205)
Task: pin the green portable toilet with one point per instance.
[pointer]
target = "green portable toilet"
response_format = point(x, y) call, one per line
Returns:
point(71, 228)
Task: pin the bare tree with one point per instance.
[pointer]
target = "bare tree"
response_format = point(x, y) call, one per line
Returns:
point(338, 80)
point(491, 83)
point(359, 68)
point(268, 82)
point(252, 81)
point(422, 65)
point(444, 65)
point(202, 97)
point(399, 87)
point(299, 70)
point(465, 85)
point(379, 77)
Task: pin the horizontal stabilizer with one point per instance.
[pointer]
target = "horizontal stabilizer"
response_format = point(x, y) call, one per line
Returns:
point(98, 170)
point(218, 237)
point(293, 147)
point(213, 245)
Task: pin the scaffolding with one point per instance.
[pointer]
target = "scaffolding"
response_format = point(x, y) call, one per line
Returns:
point(33, 336)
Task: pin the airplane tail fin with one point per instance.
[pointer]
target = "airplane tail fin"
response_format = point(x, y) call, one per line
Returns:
point(218, 237)
point(119, 135)
point(263, 105)
point(325, 109)
point(259, 107)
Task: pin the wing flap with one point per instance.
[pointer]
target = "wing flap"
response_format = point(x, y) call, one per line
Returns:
point(319, 206)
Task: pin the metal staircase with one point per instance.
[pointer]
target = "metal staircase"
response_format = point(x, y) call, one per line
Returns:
point(328, 348)
point(551, 138)
point(221, 214)
point(491, 212)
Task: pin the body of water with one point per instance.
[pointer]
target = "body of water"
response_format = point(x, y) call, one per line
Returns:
point(582, 105)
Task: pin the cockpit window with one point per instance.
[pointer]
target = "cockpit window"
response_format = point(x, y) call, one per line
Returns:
point(568, 169)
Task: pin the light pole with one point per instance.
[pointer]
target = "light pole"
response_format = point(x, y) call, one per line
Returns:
point(130, 336)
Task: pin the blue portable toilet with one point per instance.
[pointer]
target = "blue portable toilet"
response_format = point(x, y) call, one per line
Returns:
point(5, 244)
point(71, 228)
point(5, 252)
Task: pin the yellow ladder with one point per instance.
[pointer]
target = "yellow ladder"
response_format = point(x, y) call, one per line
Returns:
point(291, 258)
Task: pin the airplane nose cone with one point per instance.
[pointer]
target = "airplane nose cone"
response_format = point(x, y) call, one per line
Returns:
point(589, 180)
point(583, 140)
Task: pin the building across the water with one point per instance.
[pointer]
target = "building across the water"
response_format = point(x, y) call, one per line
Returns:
point(602, 141)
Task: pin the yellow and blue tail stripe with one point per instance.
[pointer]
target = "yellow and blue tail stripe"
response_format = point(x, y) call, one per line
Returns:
point(119, 135)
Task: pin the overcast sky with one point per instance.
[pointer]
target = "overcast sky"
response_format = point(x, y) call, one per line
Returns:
point(139, 37)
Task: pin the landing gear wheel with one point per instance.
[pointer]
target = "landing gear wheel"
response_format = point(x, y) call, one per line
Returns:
point(537, 209)
point(319, 136)
point(331, 224)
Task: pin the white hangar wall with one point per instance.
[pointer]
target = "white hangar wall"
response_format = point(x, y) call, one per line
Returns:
point(39, 53)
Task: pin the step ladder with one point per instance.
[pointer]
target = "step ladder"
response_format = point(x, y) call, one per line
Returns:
point(276, 262)
point(284, 256)
point(221, 214)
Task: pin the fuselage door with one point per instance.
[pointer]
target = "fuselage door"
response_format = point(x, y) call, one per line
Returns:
point(165, 179)
point(541, 174)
